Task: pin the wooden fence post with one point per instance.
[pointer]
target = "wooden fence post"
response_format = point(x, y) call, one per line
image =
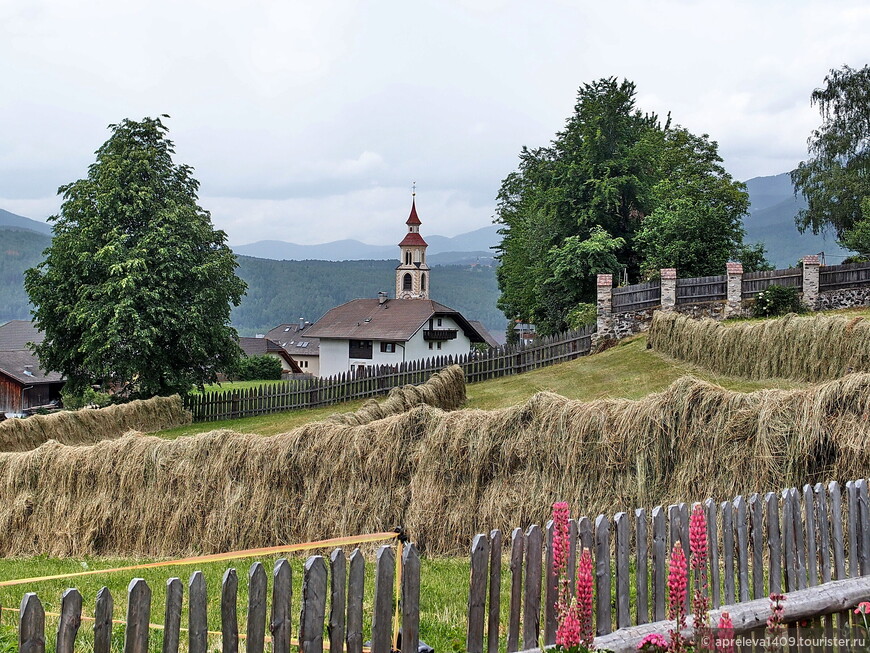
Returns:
point(385, 576)
point(603, 621)
point(197, 614)
point(355, 588)
point(659, 554)
point(621, 531)
point(532, 591)
point(138, 616)
point(410, 599)
point(516, 567)
point(337, 600)
point(229, 612)
point(172, 615)
point(282, 597)
point(773, 542)
point(313, 606)
point(494, 590)
point(69, 622)
point(756, 522)
point(642, 566)
point(477, 594)
point(551, 585)
point(103, 621)
point(31, 625)
point(256, 608)
point(713, 548)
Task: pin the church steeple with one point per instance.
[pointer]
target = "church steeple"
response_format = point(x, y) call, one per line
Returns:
point(412, 273)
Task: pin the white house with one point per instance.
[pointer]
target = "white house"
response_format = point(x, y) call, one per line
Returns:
point(383, 331)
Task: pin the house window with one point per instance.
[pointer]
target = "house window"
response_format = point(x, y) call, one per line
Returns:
point(388, 347)
point(406, 281)
point(439, 321)
point(439, 344)
point(423, 281)
point(431, 345)
point(359, 348)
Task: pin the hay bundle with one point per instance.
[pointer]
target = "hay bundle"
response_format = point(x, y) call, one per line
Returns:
point(814, 348)
point(89, 425)
point(443, 475)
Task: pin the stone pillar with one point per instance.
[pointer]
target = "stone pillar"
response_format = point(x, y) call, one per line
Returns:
point(811, 281)
point(605, 305)
point(669, 288)
point(733, 289)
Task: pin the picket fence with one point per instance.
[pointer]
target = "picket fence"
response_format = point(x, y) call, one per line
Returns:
point(378, 380)
point(343, 582)
point(772, 543)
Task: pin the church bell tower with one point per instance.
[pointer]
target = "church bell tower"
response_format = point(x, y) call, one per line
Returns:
point(412, 273)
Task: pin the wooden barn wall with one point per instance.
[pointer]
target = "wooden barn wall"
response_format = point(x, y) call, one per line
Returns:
point(10, 395)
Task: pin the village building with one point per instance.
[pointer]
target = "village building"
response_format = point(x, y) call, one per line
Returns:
point(365, 333)
point(23, 383)
point(266, 347)
point(293, 337)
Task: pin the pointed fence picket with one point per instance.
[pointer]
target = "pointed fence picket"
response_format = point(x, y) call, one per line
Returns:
point(327, 591)
point(757, 545)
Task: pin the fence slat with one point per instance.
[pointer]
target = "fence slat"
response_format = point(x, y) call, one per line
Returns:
point(711, 510)
point(477, 594)
point(229, 612)
point(532, 590)
point(282, 596)
point(641, 566)
point(337, 599)
point(31, 625)
point(774, 546)
point(313, 614)
point(69, 622)
point(799, 543)
point(623, 582)
point(838, 541)
point(551, 580)
point(811, 536)
point(821, 500)
point(197, 613)
point(659, 555)
point(603, 622)
point(494, 591)
point(138, 616)
point(103, 611)
point(172, 615)
point(788, 547)
point(410, 600)
point(516, 567)
point(863, 527)
point(728, 550)
point(355, 590)
point(385, 575)
point(852, 520)
point(742, 548)
point(756, 529)
point(257, 586)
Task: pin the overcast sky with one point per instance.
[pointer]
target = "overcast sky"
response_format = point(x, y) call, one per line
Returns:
point(308, 121)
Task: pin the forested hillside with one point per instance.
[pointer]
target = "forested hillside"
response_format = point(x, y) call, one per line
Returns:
point(19, 249)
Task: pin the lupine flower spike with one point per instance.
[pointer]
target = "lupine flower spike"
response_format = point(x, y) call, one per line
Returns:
point(677, 587)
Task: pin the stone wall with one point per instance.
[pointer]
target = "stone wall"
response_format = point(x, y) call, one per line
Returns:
point(843, 298)
point(713, 310)
point(623, 325)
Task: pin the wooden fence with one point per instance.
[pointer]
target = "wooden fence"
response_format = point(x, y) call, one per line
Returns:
point(755, 282)
point(834, 277)
point(702, 289)
point(771, 543)
point(370, 382)
point(637, 297)
point(339, 578)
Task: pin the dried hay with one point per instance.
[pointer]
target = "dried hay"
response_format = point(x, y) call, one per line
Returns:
point(90, 425)
point(815, 348)
point(443, 475)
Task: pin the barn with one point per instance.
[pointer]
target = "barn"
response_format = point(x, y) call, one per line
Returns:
point(23, 384)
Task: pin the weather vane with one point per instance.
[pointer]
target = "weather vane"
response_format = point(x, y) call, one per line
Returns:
point(413, 189)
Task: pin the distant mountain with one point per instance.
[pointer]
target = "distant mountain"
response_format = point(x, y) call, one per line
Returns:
point(8, 219)
point(771, 221)
point(477, 242)
point(20, 248)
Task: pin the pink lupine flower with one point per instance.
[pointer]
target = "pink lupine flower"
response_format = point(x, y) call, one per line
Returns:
point(725, 637)
point(568, 633)
point(584, 597)
point(653, 642)
point(698, 537)
point(560, 535)
point(863, 608)
point(700, 600)
point(774, 621)
point(677, 587)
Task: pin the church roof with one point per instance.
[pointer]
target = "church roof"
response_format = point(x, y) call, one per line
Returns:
point(412, 239)
point(394, 319)
point(413, 219)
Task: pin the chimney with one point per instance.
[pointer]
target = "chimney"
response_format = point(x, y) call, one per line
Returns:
point(382, 297)
point(301, 324)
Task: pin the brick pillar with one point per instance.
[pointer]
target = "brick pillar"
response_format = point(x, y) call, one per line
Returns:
point(811, 281)
point(605, 305)
point(734, 289)
point(669, 288)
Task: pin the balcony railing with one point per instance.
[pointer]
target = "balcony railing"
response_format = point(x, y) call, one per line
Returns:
point(440, 334)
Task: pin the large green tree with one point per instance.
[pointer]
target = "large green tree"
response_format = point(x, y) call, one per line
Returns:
point(136, 288)
point(615, 192)
point(835, 180)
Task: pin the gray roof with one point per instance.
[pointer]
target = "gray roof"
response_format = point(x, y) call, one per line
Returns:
point(482, 330)
point(22, 365)
point(294, 340)
point(394, 319)
point(15, 334)
point(263, 346)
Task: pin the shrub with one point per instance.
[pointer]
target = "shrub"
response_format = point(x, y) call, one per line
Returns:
point(258, 368)
point(777, 300)
point(582, 315)
point(74, 400)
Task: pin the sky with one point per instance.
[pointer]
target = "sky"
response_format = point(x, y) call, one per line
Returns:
point(308, 121)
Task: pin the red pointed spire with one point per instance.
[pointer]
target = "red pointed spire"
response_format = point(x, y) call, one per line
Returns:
point(413, 219)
